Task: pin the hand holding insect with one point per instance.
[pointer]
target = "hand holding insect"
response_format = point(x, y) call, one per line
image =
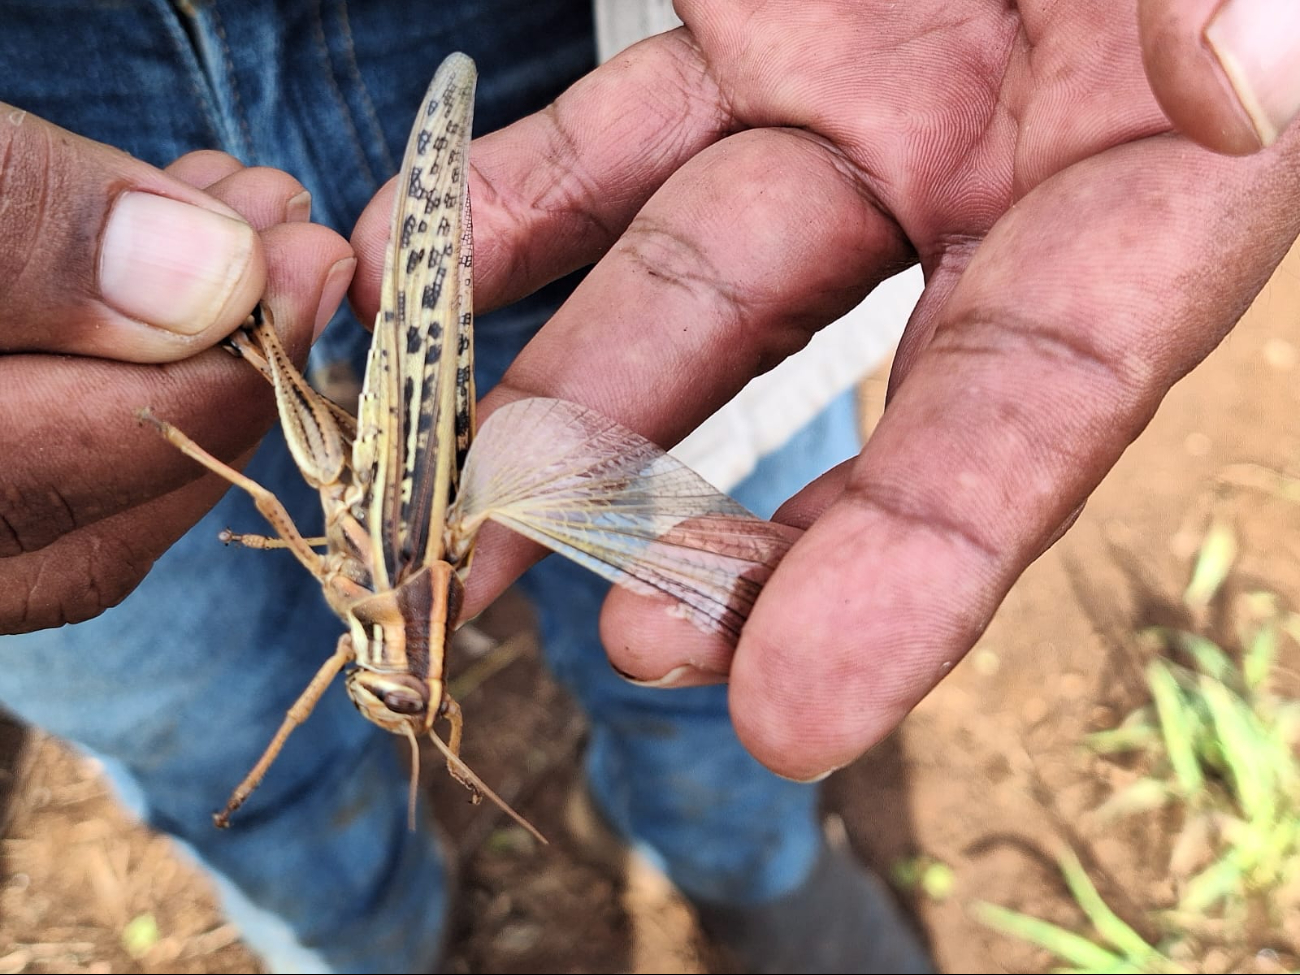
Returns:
point(89, 501)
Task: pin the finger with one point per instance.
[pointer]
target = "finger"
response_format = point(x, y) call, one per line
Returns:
point(650, 644)
point(263, 196)
point(647, 638)
point(296, 254)
point(75, 452)
point(1047, 360)
point(94, 568)
point(746, 251)
point(204, 167)
point(648, 641)
point(554, 190)
point(103, 255)
point(1226, 73)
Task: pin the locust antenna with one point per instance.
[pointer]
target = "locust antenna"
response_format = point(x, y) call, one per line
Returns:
point(415, 779)
point(463, 771)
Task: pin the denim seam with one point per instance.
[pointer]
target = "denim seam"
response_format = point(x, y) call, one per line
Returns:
point(236, 103)
point(198, 82)
point(354, 71)
point(345, 113)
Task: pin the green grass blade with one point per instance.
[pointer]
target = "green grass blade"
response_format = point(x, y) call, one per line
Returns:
point(1073, 948)
point(1286, 722)
point(1208, 656)
point(1178, 726)
point(1107, 922)
point(1244, 746)
point(140, 935)
point(1144, 795)
point(1213, 884)
point(1257, 663)
point(1213, 562)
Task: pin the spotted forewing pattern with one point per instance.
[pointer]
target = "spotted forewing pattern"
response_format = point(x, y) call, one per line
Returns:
point(416, 412)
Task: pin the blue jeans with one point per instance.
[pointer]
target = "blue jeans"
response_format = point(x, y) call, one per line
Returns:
point(179, 688)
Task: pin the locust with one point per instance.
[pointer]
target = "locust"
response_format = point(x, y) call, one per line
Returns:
point(407, 483)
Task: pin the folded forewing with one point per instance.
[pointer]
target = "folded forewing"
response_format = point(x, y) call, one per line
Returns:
point(416, 406)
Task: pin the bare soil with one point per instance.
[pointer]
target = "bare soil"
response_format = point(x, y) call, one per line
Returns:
point(987, 776)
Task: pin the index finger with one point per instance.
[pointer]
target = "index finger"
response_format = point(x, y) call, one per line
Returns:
point(750, 244)
point(554, 190)
point(1048, 357)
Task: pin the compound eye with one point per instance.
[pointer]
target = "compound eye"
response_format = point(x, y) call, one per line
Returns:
point(400, 700)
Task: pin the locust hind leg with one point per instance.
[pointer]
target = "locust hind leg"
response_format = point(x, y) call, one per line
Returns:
point(267, 503)
point(296, 715)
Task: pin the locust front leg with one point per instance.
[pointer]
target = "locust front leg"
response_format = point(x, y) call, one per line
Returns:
point(267, 503)
point(456, 729)
point(296, 715)
point(463, 774)
point(263, 543)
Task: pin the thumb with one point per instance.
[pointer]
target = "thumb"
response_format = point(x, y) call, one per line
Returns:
point(1226, 72)
point(103, 255)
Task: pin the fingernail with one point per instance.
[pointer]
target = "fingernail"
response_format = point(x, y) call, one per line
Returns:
point(684, 676)
point(298, 209)
point(336, 286)
point(171, 264)
point(813, 780)
point(1257, 43)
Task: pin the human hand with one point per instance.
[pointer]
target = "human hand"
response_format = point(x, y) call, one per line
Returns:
point(1226, 73)
point(751, 177)
point(114, 279)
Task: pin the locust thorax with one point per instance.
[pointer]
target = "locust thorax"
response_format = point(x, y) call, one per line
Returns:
point(399, 637)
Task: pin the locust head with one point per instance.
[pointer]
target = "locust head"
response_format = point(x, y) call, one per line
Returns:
point(399, 637)
point(396, 702)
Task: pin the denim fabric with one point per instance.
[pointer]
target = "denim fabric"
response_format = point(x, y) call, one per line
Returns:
point(179, 688)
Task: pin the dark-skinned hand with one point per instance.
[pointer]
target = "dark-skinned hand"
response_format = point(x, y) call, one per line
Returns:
point(747, 179)
point(115, 278)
